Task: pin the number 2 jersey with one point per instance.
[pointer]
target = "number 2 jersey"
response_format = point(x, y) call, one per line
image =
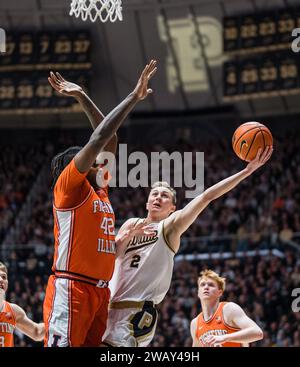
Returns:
point(84, 228)
point(7, 325)
point(143, 269)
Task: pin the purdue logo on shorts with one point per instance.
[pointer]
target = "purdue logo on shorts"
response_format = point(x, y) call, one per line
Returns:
point(144, 321)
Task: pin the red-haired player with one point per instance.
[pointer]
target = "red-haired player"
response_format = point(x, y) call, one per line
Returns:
point(14, 317)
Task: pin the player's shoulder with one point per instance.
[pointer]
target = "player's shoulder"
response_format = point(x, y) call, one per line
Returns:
point(131, 221)
point(193, 325)
point(17, 310)
point(71, 174)
point(15, 307)
point(231, 308)
point(194, 321)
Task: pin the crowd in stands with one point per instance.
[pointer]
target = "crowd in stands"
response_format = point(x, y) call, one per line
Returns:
point(262, 212)
point(19, 165)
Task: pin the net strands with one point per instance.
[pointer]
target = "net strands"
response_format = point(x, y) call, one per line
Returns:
point(93, 9)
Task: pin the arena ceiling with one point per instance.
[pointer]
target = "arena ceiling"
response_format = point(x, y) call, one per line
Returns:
point(190, 67)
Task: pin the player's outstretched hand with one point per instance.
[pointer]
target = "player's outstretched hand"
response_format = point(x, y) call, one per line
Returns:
point(141, 90)
point(261, 158)
point(141, 229)
point(63, 86)
point(134, 230)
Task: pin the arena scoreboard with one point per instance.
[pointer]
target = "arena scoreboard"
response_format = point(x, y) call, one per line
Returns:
point(265, 31)
point(261, 61)
point(25, 67)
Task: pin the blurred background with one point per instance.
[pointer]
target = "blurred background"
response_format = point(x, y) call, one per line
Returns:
point(221, 63)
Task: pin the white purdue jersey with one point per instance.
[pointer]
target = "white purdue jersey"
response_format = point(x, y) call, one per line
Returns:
point(143, 270)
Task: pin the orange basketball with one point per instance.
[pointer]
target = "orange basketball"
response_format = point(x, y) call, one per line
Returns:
point(248, 138)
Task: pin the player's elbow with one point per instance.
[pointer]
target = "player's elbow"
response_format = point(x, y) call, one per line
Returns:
point(207, 197)
point(37, 338)
point(39, 333)
point(259, 334)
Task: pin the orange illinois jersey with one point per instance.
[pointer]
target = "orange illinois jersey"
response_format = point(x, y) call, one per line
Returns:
point(7, 325)
point(216, 325)
point(84, 227)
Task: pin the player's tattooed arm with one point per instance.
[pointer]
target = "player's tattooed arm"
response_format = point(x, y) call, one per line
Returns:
point(94, 114)
point(111, 123)
point(67, 88)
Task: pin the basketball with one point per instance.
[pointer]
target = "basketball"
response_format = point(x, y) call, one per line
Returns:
point(248, 138)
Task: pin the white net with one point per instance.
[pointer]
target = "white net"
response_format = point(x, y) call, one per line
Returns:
point(93, 9)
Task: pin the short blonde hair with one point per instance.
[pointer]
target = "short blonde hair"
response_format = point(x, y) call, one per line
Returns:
point(167, 186)
point(3, 268)
point(214, 276)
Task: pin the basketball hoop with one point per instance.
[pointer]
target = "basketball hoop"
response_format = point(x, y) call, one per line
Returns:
point(93, 9)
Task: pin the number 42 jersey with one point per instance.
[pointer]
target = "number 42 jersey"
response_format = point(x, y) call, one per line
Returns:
point(84, 227)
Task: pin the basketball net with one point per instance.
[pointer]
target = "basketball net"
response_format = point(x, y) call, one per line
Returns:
point(93, 9)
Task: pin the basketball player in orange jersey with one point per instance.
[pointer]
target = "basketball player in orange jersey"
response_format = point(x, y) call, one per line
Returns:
point(144, 264)
point(76, 301)
point(13, 316)
point(220, 324)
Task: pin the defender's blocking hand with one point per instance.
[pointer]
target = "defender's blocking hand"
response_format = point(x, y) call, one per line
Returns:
point(63, 86)
point(141, 90)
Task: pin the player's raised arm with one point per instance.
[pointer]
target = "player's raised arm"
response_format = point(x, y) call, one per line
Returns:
point(94, 114)
point(180, 220)
point(28, 327)
point(109, 126)
point(236, 317)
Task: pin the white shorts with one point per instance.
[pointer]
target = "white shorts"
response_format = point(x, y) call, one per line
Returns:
point(130, 324)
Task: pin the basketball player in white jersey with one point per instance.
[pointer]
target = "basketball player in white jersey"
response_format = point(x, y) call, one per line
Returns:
point(145, 252)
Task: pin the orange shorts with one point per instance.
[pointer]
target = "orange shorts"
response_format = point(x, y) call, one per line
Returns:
point(75, 313)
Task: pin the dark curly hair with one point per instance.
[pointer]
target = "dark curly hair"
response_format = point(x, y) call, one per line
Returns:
point(61, 160)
